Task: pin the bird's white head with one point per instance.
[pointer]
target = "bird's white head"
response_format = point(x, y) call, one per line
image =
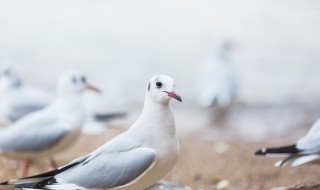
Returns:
point(161, 89)
point(10, 76)
point(74, 82)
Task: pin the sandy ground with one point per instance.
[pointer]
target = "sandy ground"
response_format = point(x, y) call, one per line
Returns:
point(202, 164)
point(213, 153)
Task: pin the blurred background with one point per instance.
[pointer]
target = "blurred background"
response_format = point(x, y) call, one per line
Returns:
point(275, 57)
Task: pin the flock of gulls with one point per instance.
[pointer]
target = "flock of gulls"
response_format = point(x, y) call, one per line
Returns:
point(39, 125)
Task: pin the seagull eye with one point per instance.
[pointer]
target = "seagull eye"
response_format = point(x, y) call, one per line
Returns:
point(158, 84)
point(84, 79)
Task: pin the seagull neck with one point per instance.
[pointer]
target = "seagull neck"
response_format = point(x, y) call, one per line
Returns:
point(70, 109)
point(156, 117)
point(151, 107)
point(69, 101)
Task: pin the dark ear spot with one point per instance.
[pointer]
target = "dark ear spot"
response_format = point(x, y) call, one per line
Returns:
point(149, 86)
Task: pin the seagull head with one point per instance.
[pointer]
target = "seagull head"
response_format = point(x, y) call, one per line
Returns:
point(10, 76)
point(74, 82)
point(161, 89)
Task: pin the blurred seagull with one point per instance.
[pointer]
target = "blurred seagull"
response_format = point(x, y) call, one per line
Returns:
point(18, 99)
point(50, 130)
point(217, 81)
point(306, 150)
point(134, 160)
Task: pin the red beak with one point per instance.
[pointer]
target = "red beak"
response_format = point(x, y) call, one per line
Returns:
point(93, 88)
point(174, 95)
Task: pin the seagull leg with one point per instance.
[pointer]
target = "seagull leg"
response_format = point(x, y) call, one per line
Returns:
point(53, 163)
point(26, 165)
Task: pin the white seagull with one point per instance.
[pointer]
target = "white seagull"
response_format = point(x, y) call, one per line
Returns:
point(134, 160)
point(50, 130)
point(18, 99)
point(306, 150)
point(217, 82)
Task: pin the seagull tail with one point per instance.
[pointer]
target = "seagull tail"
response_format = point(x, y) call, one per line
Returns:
point(278, 151)
point(38, 181)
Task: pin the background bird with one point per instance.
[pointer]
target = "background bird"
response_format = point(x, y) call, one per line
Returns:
point(18, 99)
point(306, 150)
point(217, 81)
point(50, 130)
point(134, 160)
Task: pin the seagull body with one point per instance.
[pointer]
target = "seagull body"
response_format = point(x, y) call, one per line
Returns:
point(134, 160)
point(50, 130)
point(217, 81)
point(306, 150)
point(45, 131)
point(18, 99)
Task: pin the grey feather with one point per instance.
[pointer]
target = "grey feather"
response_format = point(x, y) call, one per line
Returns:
point(34, 138)
point(16, 113)
point(116, 163)
point(109, 170)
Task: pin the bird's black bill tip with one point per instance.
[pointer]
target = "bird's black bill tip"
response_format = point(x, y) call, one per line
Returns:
point(174, 95)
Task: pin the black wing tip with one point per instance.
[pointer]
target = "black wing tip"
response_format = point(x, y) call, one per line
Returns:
point(4, 183)
point(37, 185)
point(291, 149)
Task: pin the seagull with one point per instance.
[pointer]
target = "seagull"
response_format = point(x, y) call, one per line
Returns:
point(133, 160)
point(306, 150)
point(18, 99)
point(217, 81)
point(50, 130)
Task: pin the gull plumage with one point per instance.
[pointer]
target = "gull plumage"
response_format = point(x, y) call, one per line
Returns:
point(18, 99)
point(133, 160)
point(50, 130)
point(305, 150)
point(217, 84)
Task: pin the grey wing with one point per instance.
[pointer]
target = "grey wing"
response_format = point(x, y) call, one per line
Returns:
point(32, 138)
point(109, 170)
point(25, 101)
point(15, 113)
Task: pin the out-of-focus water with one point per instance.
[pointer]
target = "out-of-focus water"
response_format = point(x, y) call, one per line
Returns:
point(121, 44)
